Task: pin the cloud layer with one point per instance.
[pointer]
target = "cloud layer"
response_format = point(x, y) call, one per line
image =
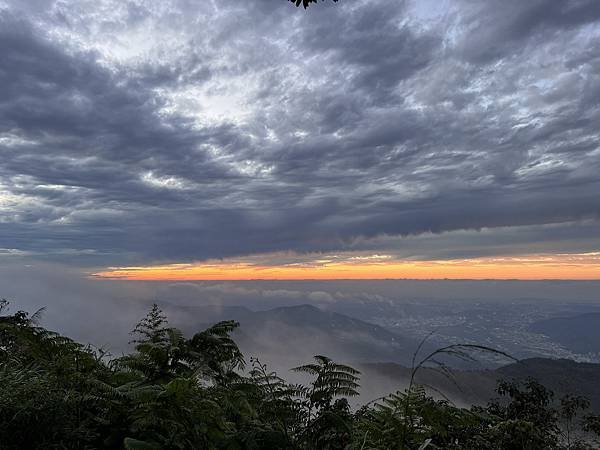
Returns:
point(137, 132)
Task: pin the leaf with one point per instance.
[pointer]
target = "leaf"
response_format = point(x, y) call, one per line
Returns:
point(135, 444)
point(425, 444)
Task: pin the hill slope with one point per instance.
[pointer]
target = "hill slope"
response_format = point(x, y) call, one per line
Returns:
point(579, 333)
point(293, 335)
point(477, 387)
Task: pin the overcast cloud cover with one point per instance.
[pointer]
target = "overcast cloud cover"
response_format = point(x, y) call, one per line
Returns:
point(134, 132)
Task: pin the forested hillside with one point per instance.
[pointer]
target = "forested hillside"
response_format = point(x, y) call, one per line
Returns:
point(562, 376)
point(187, 392)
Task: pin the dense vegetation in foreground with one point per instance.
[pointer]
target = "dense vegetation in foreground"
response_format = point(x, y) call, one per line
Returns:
point(178, 393)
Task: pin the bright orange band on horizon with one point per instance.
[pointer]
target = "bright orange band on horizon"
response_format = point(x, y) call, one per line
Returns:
point(584, 266)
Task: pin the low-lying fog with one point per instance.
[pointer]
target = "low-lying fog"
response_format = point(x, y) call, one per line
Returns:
point(356, 321)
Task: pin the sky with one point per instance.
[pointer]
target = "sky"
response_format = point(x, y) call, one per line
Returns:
point(186, 140)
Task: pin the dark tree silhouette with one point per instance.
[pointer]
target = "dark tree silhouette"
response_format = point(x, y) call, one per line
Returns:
point(306, 3)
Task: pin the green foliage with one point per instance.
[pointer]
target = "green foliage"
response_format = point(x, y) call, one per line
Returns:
point(172, 392)
point(327, 420)
point(412, 419)
point(163, 354)
point(331, 380)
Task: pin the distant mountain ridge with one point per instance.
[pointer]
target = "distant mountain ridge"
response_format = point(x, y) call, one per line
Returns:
point(300, 332)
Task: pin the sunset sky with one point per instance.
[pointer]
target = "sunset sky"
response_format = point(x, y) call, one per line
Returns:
point(224, 140)
point(531, 267)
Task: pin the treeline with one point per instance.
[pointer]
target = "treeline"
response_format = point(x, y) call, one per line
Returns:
point(175, 392)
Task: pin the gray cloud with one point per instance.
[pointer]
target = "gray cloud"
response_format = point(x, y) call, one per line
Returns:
point(495, 31)
point(132, 133)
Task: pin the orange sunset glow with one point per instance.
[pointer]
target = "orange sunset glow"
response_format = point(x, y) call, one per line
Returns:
point(582, 266)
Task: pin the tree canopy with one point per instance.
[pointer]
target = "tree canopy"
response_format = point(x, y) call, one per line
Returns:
point(175, 392)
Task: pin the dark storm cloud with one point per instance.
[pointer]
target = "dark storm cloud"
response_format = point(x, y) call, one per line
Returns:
point(132, 133)
point(496, 31)
point(371, 45)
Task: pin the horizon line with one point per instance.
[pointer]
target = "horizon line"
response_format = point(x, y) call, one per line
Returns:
point(124, 278)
